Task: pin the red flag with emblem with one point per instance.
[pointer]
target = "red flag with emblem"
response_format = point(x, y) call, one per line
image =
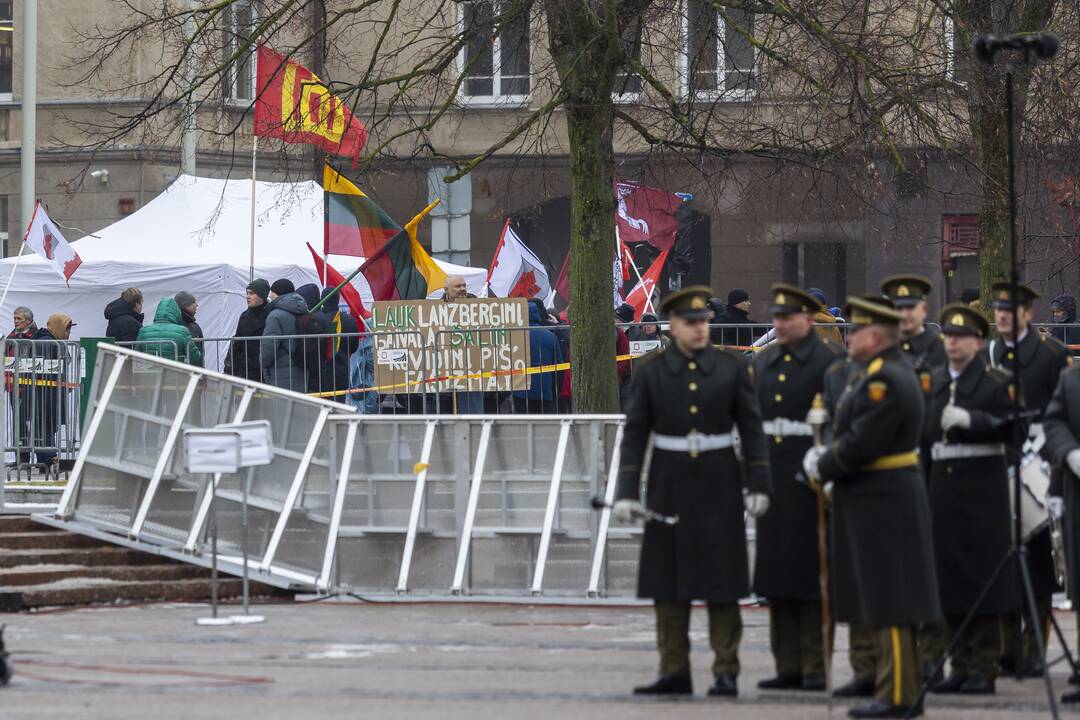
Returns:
point(294, 105)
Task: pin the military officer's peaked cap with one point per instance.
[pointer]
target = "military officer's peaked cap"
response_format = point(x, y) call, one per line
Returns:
point(690, 303)
point(863, 311)
point(788, 299)
point(1003, 299)
point(906, 290)
point(959, 319)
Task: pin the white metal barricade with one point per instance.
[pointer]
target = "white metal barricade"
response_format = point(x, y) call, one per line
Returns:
point(410, 504)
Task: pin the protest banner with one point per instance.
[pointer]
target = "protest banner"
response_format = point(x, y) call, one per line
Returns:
point(417, 340)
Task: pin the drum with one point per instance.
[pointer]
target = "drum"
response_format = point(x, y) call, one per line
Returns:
point(1034, 484)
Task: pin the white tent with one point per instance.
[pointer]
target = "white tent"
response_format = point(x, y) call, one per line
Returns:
point(194, 236)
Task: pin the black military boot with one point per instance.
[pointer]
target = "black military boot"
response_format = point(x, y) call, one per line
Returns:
point(5, 661)
point(977, 686)
point(951, 684)
point(724, 686)
point(813, 682)
point(667, 685)
point(878, 709)
point(1071, 697)
point(782, 681)
point(855, 688)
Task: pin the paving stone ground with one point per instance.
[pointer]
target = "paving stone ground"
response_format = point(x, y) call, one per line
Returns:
point(329, 660)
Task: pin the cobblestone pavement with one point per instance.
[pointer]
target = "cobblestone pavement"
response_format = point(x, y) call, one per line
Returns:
point(352, 660)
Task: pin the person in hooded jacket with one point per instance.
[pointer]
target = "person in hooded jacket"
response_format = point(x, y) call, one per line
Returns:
point(312, 356)
point(543, 350)
point(277, 354)
point(243, 358)
point(49, 400)
point(125, 316)
point(167, 337)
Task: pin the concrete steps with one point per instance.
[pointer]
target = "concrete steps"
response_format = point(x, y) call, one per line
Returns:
point(43, 567)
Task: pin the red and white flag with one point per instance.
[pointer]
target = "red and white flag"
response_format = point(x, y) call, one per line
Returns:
point(641, 295)
point(45, 238)
point(515, 271)
point(646, 214)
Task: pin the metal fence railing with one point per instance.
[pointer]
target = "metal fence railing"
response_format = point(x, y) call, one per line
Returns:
point(422, 505)
point(41, 418)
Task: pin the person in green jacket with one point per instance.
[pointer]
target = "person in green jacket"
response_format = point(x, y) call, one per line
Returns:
point(167, 337)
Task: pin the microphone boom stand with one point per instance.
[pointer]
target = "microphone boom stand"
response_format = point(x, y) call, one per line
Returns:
point(986, 47)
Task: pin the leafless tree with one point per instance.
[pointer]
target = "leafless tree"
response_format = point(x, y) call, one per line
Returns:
point(822, 88)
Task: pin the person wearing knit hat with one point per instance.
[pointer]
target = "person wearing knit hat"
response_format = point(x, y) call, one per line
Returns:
point(260, 287)
point(1063, 315)
point(243, 357)
point(284, 286)
point(736, 313)
point(188, 307)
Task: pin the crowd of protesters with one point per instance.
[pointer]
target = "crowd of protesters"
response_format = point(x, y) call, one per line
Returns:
point(271, 343)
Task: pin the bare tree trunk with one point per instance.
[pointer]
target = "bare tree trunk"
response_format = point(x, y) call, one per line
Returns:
point(592, 252)
point(582, 52)
point(988, 119)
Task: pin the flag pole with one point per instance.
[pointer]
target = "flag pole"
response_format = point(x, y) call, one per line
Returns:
point(254, 153)
point(641, 281)
point(326, 222)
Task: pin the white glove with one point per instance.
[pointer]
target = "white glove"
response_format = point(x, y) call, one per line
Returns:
point(955, 417)
point(1073, 461)
point(757, 504)
point(1056, 506)
point(625, 512)
point(810, 462)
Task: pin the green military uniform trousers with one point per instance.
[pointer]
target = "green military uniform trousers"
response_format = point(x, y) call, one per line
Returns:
point(977, 652)
point(795, 636)
point(862, 653)
point(1009, 623)
point(898, 680)
point(673, 637)
point(931, 643)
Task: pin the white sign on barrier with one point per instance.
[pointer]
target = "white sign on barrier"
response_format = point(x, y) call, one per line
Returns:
point(255, 445)
point(643, 347)
point(211, 451)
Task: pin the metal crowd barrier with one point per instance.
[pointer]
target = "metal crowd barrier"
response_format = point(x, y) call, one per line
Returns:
point(434, 505)
point(41, 418)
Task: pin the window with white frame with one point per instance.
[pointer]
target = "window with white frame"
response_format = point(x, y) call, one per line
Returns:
point(495, 59)
point(628, 84)
point(957, 53)
point(7, 38)
point(239, 22)
point(718, 56)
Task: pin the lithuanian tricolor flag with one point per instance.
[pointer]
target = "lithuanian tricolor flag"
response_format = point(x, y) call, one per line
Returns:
point(402, 269)
point(355, 225)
